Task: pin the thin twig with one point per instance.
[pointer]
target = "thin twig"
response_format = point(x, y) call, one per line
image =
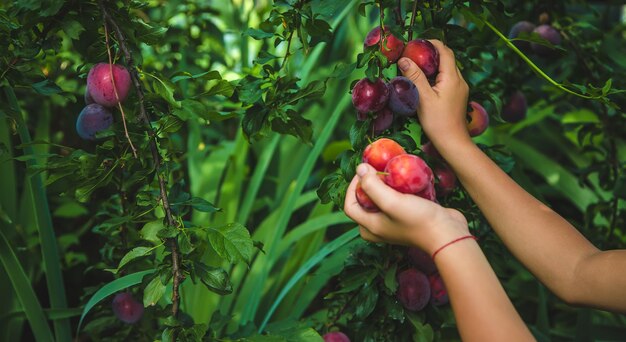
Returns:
point(143, 116)
point(117, 96)
point(413, 14)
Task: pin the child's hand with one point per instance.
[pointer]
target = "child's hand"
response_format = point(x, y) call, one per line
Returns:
point(404, 219)
point(442, 108)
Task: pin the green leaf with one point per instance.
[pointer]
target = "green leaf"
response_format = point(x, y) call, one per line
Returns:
point(170, 124)
point(257, 34)
point(184, 244)
point(165, 90)
point(333, 189)
point(366, 300)
point(149, 33)
point(220, 87)
point(207, 75)
point(72, 29)
point(192, 109)
point(150, 231)
point(231, 242)
point(24, 291)
point(423, 332)
point(70, 210)
point(264, 57)
point(133, 254)
point(153, 292)
point(46, 87)
point(292, 122)
point(391, 281)
point(313, 90)
point(214, 278)
point(109, 289)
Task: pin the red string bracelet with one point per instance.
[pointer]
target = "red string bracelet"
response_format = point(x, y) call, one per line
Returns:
point(453, 241)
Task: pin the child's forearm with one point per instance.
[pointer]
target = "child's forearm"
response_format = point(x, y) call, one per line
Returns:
point(544, 241)
point(482, 309)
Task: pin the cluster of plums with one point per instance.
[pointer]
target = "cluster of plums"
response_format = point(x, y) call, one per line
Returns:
point(421, 283)
point(515, 105)
point(545, 31)
point(404, 172)
point(399, 96)
point(100, 96)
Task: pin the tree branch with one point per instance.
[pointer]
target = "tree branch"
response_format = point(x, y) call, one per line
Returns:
point(145, 119)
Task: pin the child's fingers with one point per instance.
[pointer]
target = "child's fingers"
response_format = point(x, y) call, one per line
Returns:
point(353, 209)
point(368, 236)
point(447, 61)
point(411, 71)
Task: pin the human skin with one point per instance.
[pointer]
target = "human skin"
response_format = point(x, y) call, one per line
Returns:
point(547, 244)
point(483, 313)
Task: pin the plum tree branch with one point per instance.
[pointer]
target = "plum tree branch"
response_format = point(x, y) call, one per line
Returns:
point(143, 116)
point(534, 67)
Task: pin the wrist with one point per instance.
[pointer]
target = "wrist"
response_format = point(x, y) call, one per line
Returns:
point(445, 225)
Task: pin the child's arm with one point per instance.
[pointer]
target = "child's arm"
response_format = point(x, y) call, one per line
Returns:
point(482, 309)
point(545, 242)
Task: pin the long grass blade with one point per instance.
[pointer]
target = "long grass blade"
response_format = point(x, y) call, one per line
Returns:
point(24, 291)
point(307, 266)
point(254, 300)
point(257, 179)
point(49, 248)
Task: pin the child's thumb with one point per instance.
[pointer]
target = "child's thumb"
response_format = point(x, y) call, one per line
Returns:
point(411, 71)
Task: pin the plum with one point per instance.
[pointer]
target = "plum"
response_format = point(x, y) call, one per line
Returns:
point(126, 308)
point(428, 193)
point(438, 292)
point(422, 260)
point(393, 46)
point(383, 120)
point(370, 96)
point(100, 84)
point(548, 33)
point(479, 119)
point(413, 289)
point(87, 97)
point(335, 336)
point(424, 54)
point(430, 150)
point(515, 107)
point(519, 27)
point(379, 152)
point(408, 173)
point(403, 96)
point(447, 179)
point(364, 200)
point(93, 119)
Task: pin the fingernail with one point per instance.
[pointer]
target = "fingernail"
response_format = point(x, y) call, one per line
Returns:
point(361, 170)
point(403, 64)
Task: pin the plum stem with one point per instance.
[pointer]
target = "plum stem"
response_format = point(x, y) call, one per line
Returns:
point(143, 115)
point(117, 97)
point(534, 67)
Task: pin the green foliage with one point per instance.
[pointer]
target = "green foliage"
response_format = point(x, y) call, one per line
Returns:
point(227, 222)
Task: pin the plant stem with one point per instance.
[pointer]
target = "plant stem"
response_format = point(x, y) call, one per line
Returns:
point(533, 66)
point(143, 115)
point(413, 14)
point(117, 96)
